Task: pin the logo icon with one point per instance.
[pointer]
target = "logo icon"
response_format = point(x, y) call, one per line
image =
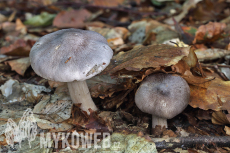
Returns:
point(27, 128)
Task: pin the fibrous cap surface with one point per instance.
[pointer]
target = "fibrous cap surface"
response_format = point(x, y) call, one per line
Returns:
point(163, 95)
point(70, 54)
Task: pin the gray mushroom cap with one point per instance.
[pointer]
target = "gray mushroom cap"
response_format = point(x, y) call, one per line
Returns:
point(163, 95)
point(70, 54)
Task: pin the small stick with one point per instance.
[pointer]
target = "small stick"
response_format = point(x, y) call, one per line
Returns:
point(190, 142)
point(221, 74)
point(219, 65)
point(68, 60)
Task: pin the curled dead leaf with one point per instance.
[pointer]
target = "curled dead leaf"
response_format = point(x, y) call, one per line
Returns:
point(20, 65)
point(141, 57)
point(209, 32)
point(227, 129)
point(213, 95)
point(219, 118)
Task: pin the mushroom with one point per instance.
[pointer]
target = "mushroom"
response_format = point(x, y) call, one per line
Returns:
point(164, 96)
point(72, 56)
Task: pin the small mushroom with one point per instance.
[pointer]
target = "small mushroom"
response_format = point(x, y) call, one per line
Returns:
point(164, 96)
point(72, 56)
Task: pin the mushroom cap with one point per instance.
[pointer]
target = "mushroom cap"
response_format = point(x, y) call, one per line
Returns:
point(163, 95)
point(70, 54)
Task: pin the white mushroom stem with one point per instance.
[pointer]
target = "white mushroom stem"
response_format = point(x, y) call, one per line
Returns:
point(79, 93)
point(159, 121)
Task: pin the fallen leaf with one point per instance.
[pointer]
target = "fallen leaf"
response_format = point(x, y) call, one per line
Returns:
point(204, 114)
point(227, 129)
point(141, 57)
point(79, 118)
point(44, 19)
point(97, 123)
point(115, 36)
point(116, 101)
point(219, 118)
point(53, 127)
point(67, 19)
point(20, 65)
point(55, 108)
point(209, 32)
point(214, 96)
point(211, 54)
point(20, 26)
point(19, 48)
point(104, 85)
point(150, 31)
point(54, 84)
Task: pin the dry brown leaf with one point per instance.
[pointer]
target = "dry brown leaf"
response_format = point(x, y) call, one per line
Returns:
point(97, 123)
point(141, 57)
point(184, 70)
point(204, 114)
point(97, 24)
point(219, 118)
point(227, 129)
point(92, 122)
point(214, 95)
point(209, 32)
point(115, 100)
point(79, 118)
point(20, 26)
point(19, 48)
point(54, 84)
point(169, 133)
point(191, 60)
point(72, 18)
point(104, 85)
point(115, 36)
point(20, 65)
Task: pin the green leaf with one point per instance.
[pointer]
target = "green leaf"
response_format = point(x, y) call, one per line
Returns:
point(156, 3)
point(44, 19)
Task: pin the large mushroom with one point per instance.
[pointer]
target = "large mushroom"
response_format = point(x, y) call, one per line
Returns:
point(72, 56)
point(164, 96)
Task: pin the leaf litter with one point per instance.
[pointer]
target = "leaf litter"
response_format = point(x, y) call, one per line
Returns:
point(136, 33)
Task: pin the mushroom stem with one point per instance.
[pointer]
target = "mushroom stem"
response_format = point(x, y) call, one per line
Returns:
point(79, 93)
point(159, 121)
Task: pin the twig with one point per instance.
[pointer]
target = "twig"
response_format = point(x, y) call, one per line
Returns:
point(189, 142)
point(219, 65)
point(216, 67)
point(221, 74)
